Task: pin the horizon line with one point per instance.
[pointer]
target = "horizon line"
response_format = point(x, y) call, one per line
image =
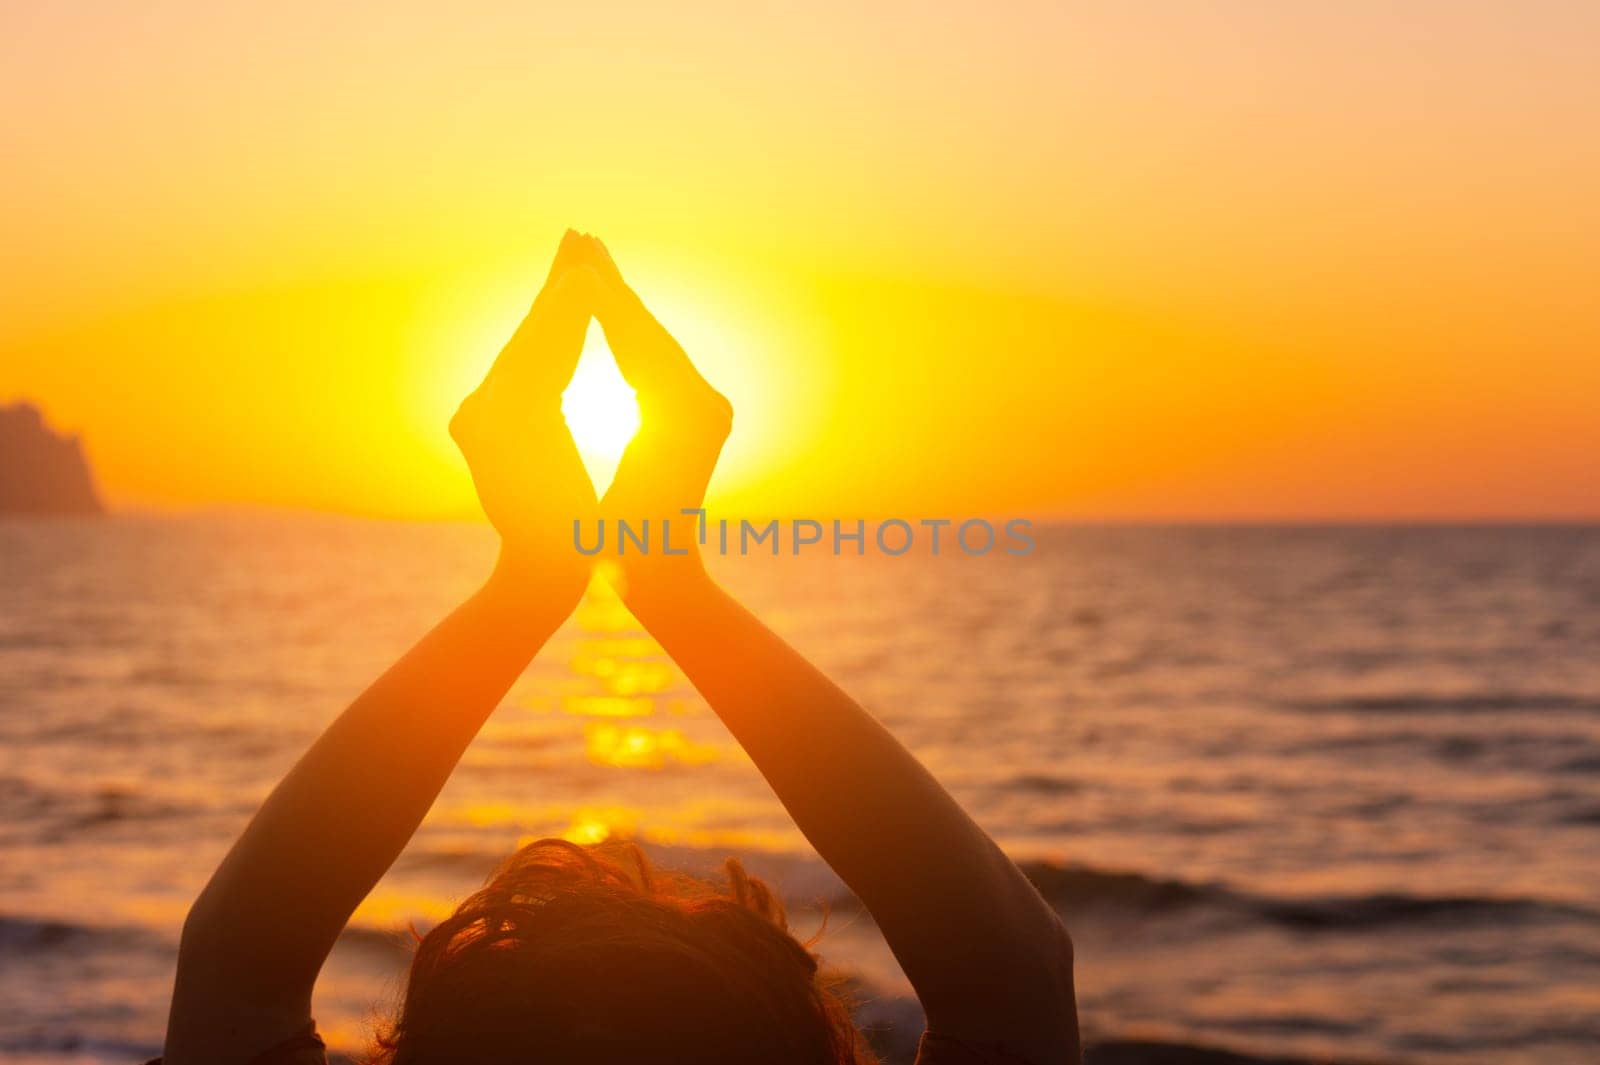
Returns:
point(1053, 520)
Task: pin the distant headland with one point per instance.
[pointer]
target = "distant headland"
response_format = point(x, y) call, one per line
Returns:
point(42, 471)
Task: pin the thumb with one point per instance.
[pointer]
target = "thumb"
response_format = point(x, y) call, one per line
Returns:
point(570, 252)
point(539, 359)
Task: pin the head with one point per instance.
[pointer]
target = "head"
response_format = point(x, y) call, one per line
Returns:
point(586, 954)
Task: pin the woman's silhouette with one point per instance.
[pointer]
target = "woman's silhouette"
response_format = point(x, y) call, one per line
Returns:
point(573, 954)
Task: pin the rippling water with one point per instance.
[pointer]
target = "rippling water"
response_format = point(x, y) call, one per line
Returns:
point(1316, 791)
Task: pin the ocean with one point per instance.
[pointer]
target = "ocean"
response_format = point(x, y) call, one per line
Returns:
point(1320, 792)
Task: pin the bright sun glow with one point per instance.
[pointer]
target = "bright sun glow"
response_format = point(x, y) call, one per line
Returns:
point(600, 410)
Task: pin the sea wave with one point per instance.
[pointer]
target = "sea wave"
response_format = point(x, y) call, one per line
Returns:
point(380, 943)
point(22, 934)
point(1080, 888)
point(69, 1048)
point(1407, 702)
point(1154, 1052)
point(1071, 887)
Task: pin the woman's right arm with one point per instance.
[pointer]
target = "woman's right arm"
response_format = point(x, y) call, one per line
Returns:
point(988, 957)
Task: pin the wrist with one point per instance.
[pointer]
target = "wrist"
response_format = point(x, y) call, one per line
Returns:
point(532, 593)
point(651, 589)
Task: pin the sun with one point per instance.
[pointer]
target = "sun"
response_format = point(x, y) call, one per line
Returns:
point(600, 409)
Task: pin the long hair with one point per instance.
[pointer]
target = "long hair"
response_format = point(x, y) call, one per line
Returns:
point(576, 954)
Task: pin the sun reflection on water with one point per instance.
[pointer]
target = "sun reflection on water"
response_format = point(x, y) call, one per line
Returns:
point(638, 747)
point(608, 705)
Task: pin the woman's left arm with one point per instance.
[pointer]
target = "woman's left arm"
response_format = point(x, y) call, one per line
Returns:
point(259, 933)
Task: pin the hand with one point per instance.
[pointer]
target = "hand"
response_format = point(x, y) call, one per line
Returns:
point(530, 480)
point(683, 423)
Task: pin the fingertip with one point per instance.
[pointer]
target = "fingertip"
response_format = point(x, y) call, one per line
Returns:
point(570, 250)
point(603, 252)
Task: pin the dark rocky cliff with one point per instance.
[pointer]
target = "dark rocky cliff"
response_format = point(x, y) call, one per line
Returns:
point(42, 472)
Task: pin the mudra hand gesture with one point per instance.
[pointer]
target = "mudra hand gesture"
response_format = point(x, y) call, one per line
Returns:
point(527, 470)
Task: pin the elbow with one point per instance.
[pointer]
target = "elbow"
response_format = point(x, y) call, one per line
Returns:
point(1024, 998)
point(1043, 972)
point(227, 952)
point(202, 936)
point(215, 930)
point(1053, 1027)
point(1049, 962)
point(1063, 948)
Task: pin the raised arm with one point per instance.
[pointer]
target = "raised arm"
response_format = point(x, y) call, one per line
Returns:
point(258, 934)
point(989, 959)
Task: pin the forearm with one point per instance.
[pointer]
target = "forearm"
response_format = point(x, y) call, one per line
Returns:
point(962, 919)
point(334, 825)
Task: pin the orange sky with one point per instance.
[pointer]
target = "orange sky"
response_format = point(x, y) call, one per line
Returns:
point(1114, 260)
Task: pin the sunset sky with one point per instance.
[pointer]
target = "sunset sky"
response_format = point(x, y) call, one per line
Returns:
point(1148, 260)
